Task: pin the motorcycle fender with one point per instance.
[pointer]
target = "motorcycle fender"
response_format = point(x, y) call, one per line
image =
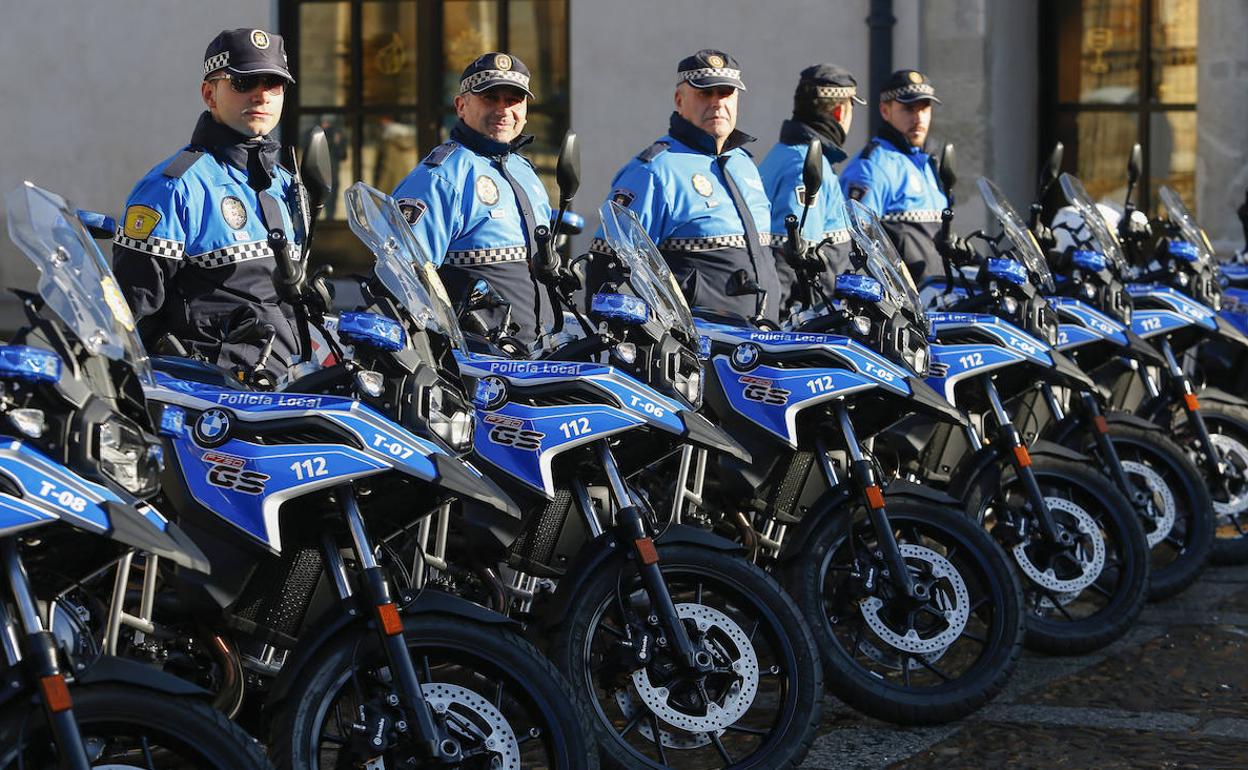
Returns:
point(1228, 332)
point(903, 488)
point(704, 433)
point(341, 616)
point(109, 669)
point(1143, 350)
point(984, 464)
point(1131, 421)
point(1044, 448)
point(840, 501)
point(1219, 396)
point(605, 548)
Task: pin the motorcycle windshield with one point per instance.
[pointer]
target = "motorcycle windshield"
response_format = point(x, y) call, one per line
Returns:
point(402, 265)
point(1016, 231)
point(1103, 239)
point(883, 263)
point(1181, 218)
point(648, 272)
point(75, 281)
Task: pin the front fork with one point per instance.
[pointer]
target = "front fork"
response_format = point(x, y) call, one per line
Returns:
point(432, 739)
point(1181, 385)
point(40, 650)
point(631, 527)
point(1104, 445)
point(862, 475)
point(1020, 458)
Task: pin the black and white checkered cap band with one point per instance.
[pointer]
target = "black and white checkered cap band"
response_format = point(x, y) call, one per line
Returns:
point(600, 246)
point(710, 72)
point(477, 78)
point(836, 92)
point(157, 247)
point(919, 216)
point(486, 256)
point(711, 243)
point(914, 89)
point(216, 62)
point(232, 254)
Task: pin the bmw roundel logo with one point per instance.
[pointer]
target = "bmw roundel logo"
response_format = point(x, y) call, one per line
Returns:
point(212, 427)
point(491, 392)
point(746, 356)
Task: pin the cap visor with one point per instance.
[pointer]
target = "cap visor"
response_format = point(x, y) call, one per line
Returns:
point(858, 99)
point(487, 85)
point(713, 82)
point(918, 98)
point(260, 71)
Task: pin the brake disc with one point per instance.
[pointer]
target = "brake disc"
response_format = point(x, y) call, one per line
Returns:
point(671, 739)
point(948, 592)
point(1234, 453)
point(730, 646)
point(1090, 553)
point(1161, 506)
point(474, 715)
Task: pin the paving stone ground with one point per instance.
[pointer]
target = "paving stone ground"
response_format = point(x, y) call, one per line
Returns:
point(1172, 694)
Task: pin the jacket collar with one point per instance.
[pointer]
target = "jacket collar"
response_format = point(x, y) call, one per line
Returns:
point(695, 138)
point(482, 144)
point(898, 140)
point(231, 147)
point(796, 132)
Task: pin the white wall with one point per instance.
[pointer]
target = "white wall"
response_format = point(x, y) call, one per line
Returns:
point(624, 57)
point(96, 92)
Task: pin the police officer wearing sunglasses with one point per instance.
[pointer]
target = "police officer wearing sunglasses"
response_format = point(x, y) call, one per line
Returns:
point(193, 245)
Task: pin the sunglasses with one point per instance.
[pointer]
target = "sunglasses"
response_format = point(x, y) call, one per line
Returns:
point(245, 83)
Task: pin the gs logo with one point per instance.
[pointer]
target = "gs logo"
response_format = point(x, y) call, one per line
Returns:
point(762, 391)
point(507, 431)
point(227, 472)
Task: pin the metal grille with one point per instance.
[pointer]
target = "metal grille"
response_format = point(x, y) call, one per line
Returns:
point(277, 596)
point(537, 544)
point(785, 494)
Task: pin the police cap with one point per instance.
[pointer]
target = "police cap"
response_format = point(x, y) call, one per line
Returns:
point(247, 52)
point(494, 69)
point(709, 68)
point(828, 81)
point(908, 86)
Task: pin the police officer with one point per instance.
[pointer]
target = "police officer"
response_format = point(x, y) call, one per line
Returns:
point(823, 109)
point(194, 245)
point(896, 179)
point(698, 194)
point(474, 202)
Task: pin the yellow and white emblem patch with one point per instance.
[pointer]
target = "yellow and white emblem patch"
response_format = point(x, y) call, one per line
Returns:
point(502, 62)
point(703, 185)
point(487, 190)
point(915, 77)
point(259, 39)
point(715, 60)
point(117, 303)
point(140, 221)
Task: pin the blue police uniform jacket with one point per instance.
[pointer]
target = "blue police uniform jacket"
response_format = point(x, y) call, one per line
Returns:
point(898, 182)
point(473, 203)
point(706, 212)
point(192, 247)
point(826, 221)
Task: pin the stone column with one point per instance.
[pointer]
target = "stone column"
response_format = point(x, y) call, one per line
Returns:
point(1222, 120)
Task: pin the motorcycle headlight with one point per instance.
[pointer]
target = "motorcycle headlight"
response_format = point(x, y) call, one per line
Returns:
point(127, 458)
point(450, 419)
point(684, 372)
point(917, 359)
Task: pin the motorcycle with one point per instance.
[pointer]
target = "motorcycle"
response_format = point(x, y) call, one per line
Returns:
point(78, 457)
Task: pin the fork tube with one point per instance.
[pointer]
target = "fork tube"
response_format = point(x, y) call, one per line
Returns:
point(863, 474)
point(117, 607)
point(1109, 453)
point(633, 527)
point(583, 501)
point(40, 652)
point(1021, 460)
point(1182, 385)
point(432, 741)
point(151, 564)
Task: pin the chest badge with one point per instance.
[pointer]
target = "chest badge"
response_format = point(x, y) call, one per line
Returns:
point(234, 212)
point(487, 190)
point(703, 185)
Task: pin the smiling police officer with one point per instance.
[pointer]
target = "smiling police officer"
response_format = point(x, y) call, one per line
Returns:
point(823, 109)
point(474, 202)
point(896, 179)
point(194, 242)
point(698, 194)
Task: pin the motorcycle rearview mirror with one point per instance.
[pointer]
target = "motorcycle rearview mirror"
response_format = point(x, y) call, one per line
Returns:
point(482, 295)
point(315, 170)
point(568, 168)
point(948, 168)
point(812, 169)
point(1135, 165)
point(740, 284)
point(1049, 173)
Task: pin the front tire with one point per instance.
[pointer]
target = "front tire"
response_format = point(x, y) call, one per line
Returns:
point(118, 723)
point(867, 664)
point(1228, 429)
point(496, 693)
point(766, 690)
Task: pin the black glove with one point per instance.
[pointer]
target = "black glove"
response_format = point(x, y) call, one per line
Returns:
point(956, 249)
point(1044, 236)
point(1135, 228)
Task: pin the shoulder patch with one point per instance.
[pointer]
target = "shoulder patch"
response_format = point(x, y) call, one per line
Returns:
point(413, 209)
point(181, 163)
point(139, 222)
point(870, 148)
point(652, 152)
point(439, 154)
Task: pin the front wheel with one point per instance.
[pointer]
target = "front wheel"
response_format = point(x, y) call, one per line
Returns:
point(128, 727)
point(911, 661)
point(1084, 592)
point(1228, 432)
point(758, 705)
point(498, 698)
